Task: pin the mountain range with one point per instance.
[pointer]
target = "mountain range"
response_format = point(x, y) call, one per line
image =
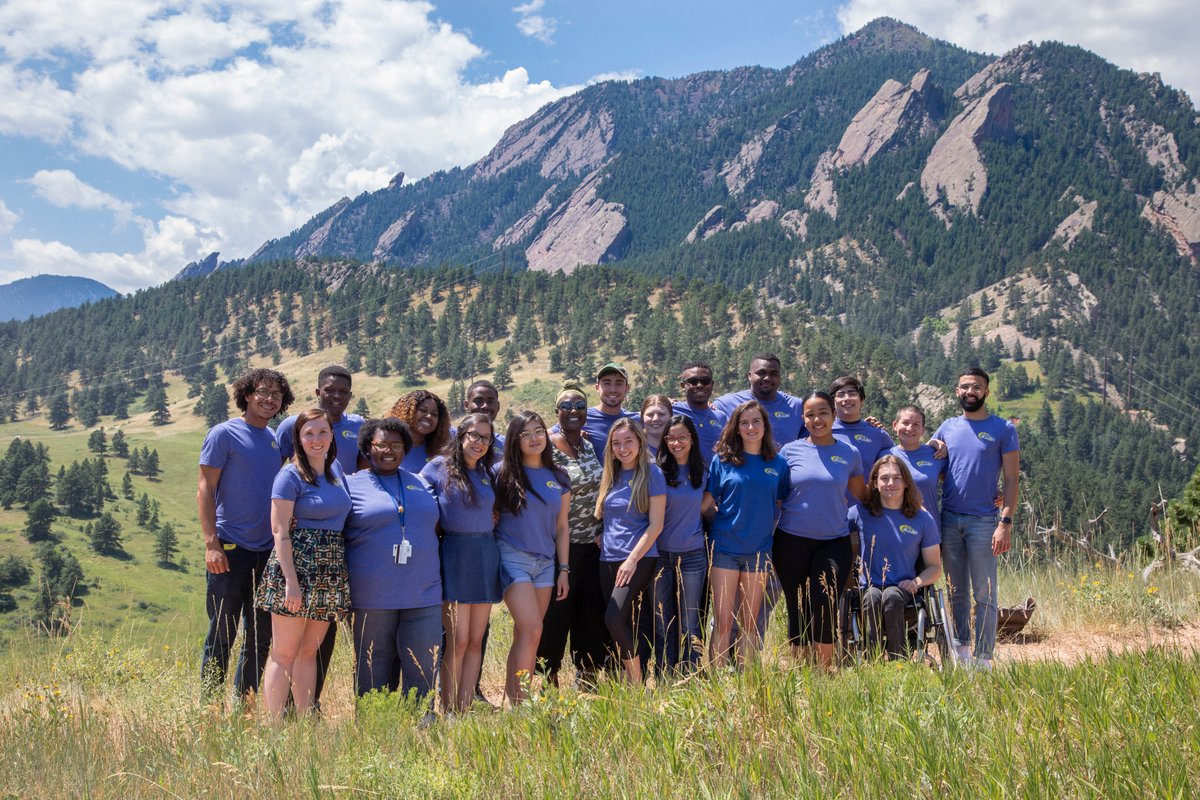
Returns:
point(41, 294)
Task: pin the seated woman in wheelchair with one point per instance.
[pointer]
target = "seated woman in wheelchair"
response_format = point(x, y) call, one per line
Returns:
point(897, 535)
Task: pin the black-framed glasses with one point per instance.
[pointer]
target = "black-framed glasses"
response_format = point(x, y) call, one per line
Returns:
point(697, 381)
point(680, 439)
point(577, 405)
point(389, 447)
point(267, 394)
point(478, 438)
point(843, 394)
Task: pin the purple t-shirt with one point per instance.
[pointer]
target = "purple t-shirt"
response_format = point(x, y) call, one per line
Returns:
point(373, 529)
point(458, 514)
point(926, 474)
point(623, 523)
point(786, 412)
point(415, 459)
point(892, 542)
point(323, 506)
point(345, 434)
point(535, 529)
point(248, 458)
point(709, 423)
point(976, 449)
point(683, 529)
point(598, 425)
point(869, 441)
point(746, 497)
point(816, 506)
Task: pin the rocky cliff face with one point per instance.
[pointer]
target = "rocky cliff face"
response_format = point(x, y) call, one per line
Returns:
point(568, 137)
point(895, 111)
point(1178, 213)
point(954, 176)
point(1078, 221)
point(584, 230)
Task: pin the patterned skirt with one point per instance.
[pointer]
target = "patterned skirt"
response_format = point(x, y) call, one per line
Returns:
point(320, 561)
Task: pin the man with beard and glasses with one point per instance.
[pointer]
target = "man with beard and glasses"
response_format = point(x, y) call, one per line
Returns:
point(982, 447)
point(696, 381)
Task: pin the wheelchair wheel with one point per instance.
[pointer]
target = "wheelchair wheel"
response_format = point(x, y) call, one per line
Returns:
point(849, 628)
point(920, 649)
point(941, 631)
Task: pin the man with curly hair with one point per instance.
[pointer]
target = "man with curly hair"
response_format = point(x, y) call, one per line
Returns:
point(238, 462)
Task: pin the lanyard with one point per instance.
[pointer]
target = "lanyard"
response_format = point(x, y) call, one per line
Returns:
point(399, 498)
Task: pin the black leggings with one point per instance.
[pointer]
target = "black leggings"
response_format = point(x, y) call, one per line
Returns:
point(618, 613)
point(818, 567)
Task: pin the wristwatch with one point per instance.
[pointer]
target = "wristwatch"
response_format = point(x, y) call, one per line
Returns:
point(1005, 520)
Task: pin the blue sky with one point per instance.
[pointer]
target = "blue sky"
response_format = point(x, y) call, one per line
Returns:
point(139, 135)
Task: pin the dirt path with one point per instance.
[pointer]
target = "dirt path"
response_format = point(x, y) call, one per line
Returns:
point(1074, 646)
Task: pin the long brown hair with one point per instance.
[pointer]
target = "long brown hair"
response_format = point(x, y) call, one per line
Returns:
point(639, 495)
point(511, 481)
point(729, 446)
point(406, 409)
point(298, 456)
point(912, 495)
point(457, 472)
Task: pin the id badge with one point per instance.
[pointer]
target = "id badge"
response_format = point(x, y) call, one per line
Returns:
point(402, 552)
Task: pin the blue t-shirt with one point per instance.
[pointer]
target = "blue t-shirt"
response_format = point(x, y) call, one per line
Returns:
point(683, 528)
point(373, 529)
point(323, 506)
point(926, 474)
point(786, 412)
point(535, 529)
point(816, 506)
point(623, 523)
point(976, 449)
point(345, 433)
point(415, 459)
point(598, 425)
point(457, 513)
point(869, 441)
point(709, 423)
point(746, 497)
point(892, 542)
point(248, 458)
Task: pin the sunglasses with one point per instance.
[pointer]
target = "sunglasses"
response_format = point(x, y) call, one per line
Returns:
point(698, 381)
point(578, 405)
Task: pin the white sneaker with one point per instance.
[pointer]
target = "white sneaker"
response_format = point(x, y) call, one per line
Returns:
point(983, 664)
point(962, 654)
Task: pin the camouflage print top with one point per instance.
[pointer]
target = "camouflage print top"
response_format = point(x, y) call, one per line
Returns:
point(585, 474)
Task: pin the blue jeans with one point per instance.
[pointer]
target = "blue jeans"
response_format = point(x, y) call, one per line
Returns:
point(397, 649)
point(229, 599)
point(678, 595)
point(971, 573)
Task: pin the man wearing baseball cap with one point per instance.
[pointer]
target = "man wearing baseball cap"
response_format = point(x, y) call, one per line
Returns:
point(612, 384)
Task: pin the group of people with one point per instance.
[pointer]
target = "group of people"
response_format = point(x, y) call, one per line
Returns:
point(615, 530)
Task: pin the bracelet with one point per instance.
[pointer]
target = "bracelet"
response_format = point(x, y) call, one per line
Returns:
point(564, 567)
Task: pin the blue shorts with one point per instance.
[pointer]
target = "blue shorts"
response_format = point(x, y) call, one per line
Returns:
point(750, 562)
point(517, 566)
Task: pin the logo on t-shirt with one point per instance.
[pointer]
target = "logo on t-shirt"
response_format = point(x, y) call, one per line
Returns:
point(414, 488)
point(485, 481)
point(838, 460)
point(347, 434)
point(275, 444)
point(985, 436)
point(908, 530)
point(771, 471)
point(861, 437)
point(552, 485)
point(924, 463)
point(781, 415)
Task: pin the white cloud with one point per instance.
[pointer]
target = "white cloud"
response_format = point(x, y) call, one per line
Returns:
point(62, 188)
point(625, 76)
point(1145, 35)
point(533, 24)
point(257, 116)
point(8, 219)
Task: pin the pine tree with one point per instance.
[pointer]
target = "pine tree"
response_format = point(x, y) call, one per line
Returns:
point(120, 446)
point(503, 376)
point(361, 408)
point(143, 510)
point(156, 404)
point(60, 412)
point(150, 463)
point(135, 461)
point(98, 442)
point(40, 517)
point(214, 404)
point(105, 535)
point(127, 487)
point(166, 544)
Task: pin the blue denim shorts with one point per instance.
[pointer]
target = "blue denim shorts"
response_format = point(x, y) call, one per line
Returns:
point(517, 566)
point(470, 567)
point(751, 562)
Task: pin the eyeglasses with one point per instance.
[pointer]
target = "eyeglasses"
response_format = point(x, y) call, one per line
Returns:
point(267, 394)
point(682, 438)
point(478, 438)
point(697, 381)
point(389, 447)
point(578, 405)
point(971, 387)
point(534, 435)
point(846, 393)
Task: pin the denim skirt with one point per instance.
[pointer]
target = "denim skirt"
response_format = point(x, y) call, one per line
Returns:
point(470, 567)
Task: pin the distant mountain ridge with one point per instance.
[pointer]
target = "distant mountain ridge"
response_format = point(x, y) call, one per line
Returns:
point(41, 294)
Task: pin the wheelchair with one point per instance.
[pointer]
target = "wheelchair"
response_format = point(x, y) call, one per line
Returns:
point(926, 625)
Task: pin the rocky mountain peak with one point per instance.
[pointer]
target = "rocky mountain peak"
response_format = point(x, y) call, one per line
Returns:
point(954, 175)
